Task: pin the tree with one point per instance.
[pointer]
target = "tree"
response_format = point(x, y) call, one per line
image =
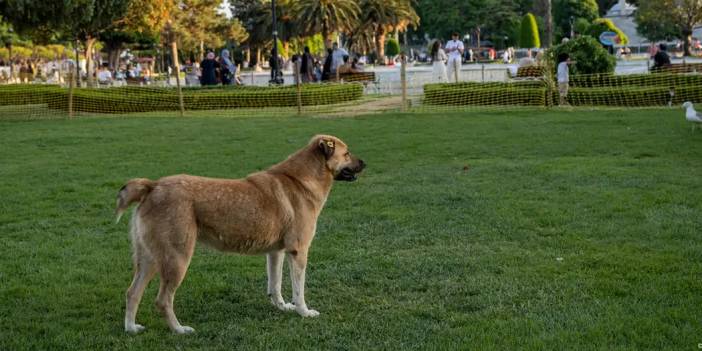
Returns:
point(564, 10)
point(530, 33)
point(327, 16)
point(73, 19)
point(665, 19)
point(392, 48)
point(486, 18)
point(379, 17)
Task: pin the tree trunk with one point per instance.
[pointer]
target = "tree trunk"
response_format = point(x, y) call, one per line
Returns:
point(549, 24)
point(286, 48)
point(327, 37)
point(687, 41)
point(248, 55)
point(380, 45)
point(89, 45)
point(202, 51)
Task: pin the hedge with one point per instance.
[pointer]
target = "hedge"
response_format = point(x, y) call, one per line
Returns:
point(147, 99)
point(533, 94)
point(640, 80)
point(528, 94)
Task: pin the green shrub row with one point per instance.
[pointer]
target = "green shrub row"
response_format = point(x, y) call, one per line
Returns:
point(641, 80)
point(146, 99)
point(491, 94)
point(632, 96)
point(506, 94)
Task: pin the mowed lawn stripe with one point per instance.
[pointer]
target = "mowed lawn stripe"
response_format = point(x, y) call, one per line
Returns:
point(527, 229)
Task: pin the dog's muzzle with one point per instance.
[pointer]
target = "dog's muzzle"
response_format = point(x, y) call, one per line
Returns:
point(348, 174)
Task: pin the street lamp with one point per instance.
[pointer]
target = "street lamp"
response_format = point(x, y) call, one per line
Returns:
point(572, 30)
point(276, 75)
point(9, 52)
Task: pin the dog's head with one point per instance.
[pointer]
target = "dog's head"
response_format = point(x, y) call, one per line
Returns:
point(339, 160)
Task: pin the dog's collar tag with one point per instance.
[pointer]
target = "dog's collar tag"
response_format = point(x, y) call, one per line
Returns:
point(330, 144)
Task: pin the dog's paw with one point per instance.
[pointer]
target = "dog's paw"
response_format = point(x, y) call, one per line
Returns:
point(184, 330)
point(286, 307)
point(134, 328)
point(308, 313)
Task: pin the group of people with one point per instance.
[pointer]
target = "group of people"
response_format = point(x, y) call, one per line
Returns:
point(447, 61)
point(337, 61)
point(212, 70)
point(31, 70)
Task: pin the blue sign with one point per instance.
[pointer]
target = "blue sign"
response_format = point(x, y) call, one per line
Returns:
point(609, 38)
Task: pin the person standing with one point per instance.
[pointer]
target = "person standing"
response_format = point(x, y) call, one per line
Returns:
point(192, 73)
point(338, 56)
point(438, 59)
point(455, 49)
point(563, 78)
point(228, 69)
point(307, 66)
point(661, 58)
point(209, 68)
point(328, 64)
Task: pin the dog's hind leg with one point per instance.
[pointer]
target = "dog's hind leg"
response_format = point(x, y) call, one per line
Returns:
point(144, 271)
point(274, 266)
point(173, 266)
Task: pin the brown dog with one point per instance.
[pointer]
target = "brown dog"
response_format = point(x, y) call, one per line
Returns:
point(273, 212)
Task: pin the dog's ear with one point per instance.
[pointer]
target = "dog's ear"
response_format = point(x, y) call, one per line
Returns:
point(327, 147)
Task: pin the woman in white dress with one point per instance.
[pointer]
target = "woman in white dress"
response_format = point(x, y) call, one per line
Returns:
point(439, 58)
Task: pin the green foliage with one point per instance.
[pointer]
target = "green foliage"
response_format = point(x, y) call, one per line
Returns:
point(565, 9)
point(582, 25)
point(669, 19)
point(601, 25)
point(392, 48)
point(529, 32)
point(327, 16)
point(495, 18)
point(588, 53)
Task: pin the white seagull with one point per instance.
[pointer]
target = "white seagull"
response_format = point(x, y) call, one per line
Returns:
point(692, 115)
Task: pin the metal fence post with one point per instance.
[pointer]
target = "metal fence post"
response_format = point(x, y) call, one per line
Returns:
point(403, 80)
point(70, 94)
point(299, 86)
point(482, 73)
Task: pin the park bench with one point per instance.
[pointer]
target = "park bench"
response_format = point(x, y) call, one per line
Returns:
point(360, 77)
point(680, 68)
point(531, 72)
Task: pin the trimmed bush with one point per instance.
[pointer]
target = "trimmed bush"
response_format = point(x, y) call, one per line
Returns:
point(536, 93)
point(482, 94)
point(147, 99)
point(392, 48)
point(632, 96)
point(590, 56)
point(634, 80)
point(529, 36)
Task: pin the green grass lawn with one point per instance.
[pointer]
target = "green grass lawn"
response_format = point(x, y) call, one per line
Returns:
point(481, 230)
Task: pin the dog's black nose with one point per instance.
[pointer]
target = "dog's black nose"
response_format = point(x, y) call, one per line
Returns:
point(361, 164)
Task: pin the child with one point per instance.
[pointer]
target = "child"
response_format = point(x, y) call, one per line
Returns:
point(563, 77)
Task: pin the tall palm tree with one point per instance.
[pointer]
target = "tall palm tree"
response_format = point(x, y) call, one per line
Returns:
point(327, 16)
point(384, 16)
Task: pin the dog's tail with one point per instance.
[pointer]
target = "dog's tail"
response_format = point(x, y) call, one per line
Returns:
point(134, 191)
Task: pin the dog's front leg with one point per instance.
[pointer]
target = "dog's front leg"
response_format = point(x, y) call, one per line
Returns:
point(298, 264)
point(275, 279)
